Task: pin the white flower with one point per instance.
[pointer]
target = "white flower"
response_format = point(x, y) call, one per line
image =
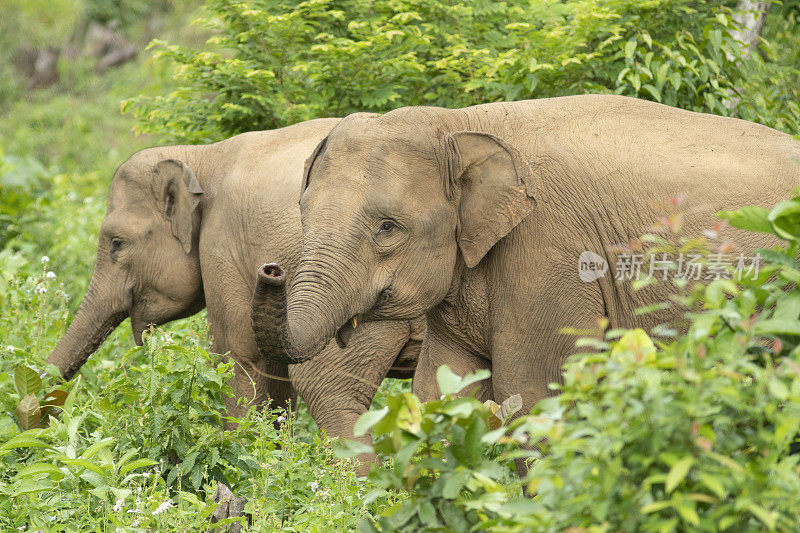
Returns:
point(41, 289)
point(162, 507)
point(10, 348)
point(50, 274)
point(135, 523)
point(45, 259)
point(281, 419)
point(118, 505)
point(314, 486)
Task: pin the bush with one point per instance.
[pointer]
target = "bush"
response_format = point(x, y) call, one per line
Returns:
point(447, 454)
point(165, 403)
point(272, 63)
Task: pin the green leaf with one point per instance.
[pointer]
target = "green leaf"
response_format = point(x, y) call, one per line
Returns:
point(27, 381)
point(654, 92)
point(785, 219)
point(713, 484)
point(677, 473)
point(450, 383)
point(655, 506)
point(427, 514)
point(138, 463)
point(96, 447)
point(32, 487)
point(455, 483)
point(367, 420)
point(777, 326)
point(750, 218)
point(788, 308)
point(84, 463)
point(769, 518)
point(630, 48)
point(688, 512)
point(101, 492)
point(23, 441)
point(36, 469)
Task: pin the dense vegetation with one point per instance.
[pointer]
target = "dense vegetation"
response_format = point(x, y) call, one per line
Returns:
point(652, 432)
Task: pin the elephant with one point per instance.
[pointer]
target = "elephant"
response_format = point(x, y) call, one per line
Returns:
point(186, 228)
point(477, 218)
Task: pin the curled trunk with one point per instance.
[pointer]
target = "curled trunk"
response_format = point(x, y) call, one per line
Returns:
point(271, 328)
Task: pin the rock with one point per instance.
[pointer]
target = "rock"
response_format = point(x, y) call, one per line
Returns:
point(39, 66)
point(230, 506)
point(116, 57)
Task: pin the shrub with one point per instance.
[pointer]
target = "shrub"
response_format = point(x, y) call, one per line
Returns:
point(272, 63)
point(169, 404)
point(448, 454)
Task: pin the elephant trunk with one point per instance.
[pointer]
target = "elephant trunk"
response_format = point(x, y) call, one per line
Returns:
point(94, 322)
point(280, 340)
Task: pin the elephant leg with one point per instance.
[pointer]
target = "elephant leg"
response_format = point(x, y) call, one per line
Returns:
point(436, 351)
point(338, 385)
point(516, 372)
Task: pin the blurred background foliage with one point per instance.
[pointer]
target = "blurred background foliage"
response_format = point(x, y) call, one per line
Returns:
point(220, 67)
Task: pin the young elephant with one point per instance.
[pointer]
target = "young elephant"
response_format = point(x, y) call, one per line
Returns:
point(187, 227)
point(478, 216)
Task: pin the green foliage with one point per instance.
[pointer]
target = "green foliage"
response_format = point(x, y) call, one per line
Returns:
point(447, 454)
point(273, 63)
point(162, 404)
point(122, 12)
point(141, 444)
point(771, 92)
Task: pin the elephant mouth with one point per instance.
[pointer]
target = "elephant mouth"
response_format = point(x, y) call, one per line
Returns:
point(344, 333)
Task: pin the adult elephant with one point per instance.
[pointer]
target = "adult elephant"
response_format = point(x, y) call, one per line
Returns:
point(187, 227)
point(477, 217)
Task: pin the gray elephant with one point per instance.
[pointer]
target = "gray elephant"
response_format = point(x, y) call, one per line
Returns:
point(477, 217)
point(187, 227)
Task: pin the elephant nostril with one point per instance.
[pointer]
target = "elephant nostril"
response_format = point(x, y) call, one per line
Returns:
point(271, 271)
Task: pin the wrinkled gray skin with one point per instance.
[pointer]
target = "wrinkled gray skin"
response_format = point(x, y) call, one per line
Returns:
point(188, 227)
point(477, 217)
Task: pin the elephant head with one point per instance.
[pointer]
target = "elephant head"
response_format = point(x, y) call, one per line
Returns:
point(390, 203)
point(147, 265)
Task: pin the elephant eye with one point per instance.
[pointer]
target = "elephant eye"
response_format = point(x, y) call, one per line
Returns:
point(116, 244)
point(386, 226)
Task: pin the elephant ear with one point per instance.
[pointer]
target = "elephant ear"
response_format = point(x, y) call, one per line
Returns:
point(182, 194)
point(310, 163)
point(496, 190)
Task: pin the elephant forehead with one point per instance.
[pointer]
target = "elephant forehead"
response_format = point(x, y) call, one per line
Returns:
point(129, 193)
